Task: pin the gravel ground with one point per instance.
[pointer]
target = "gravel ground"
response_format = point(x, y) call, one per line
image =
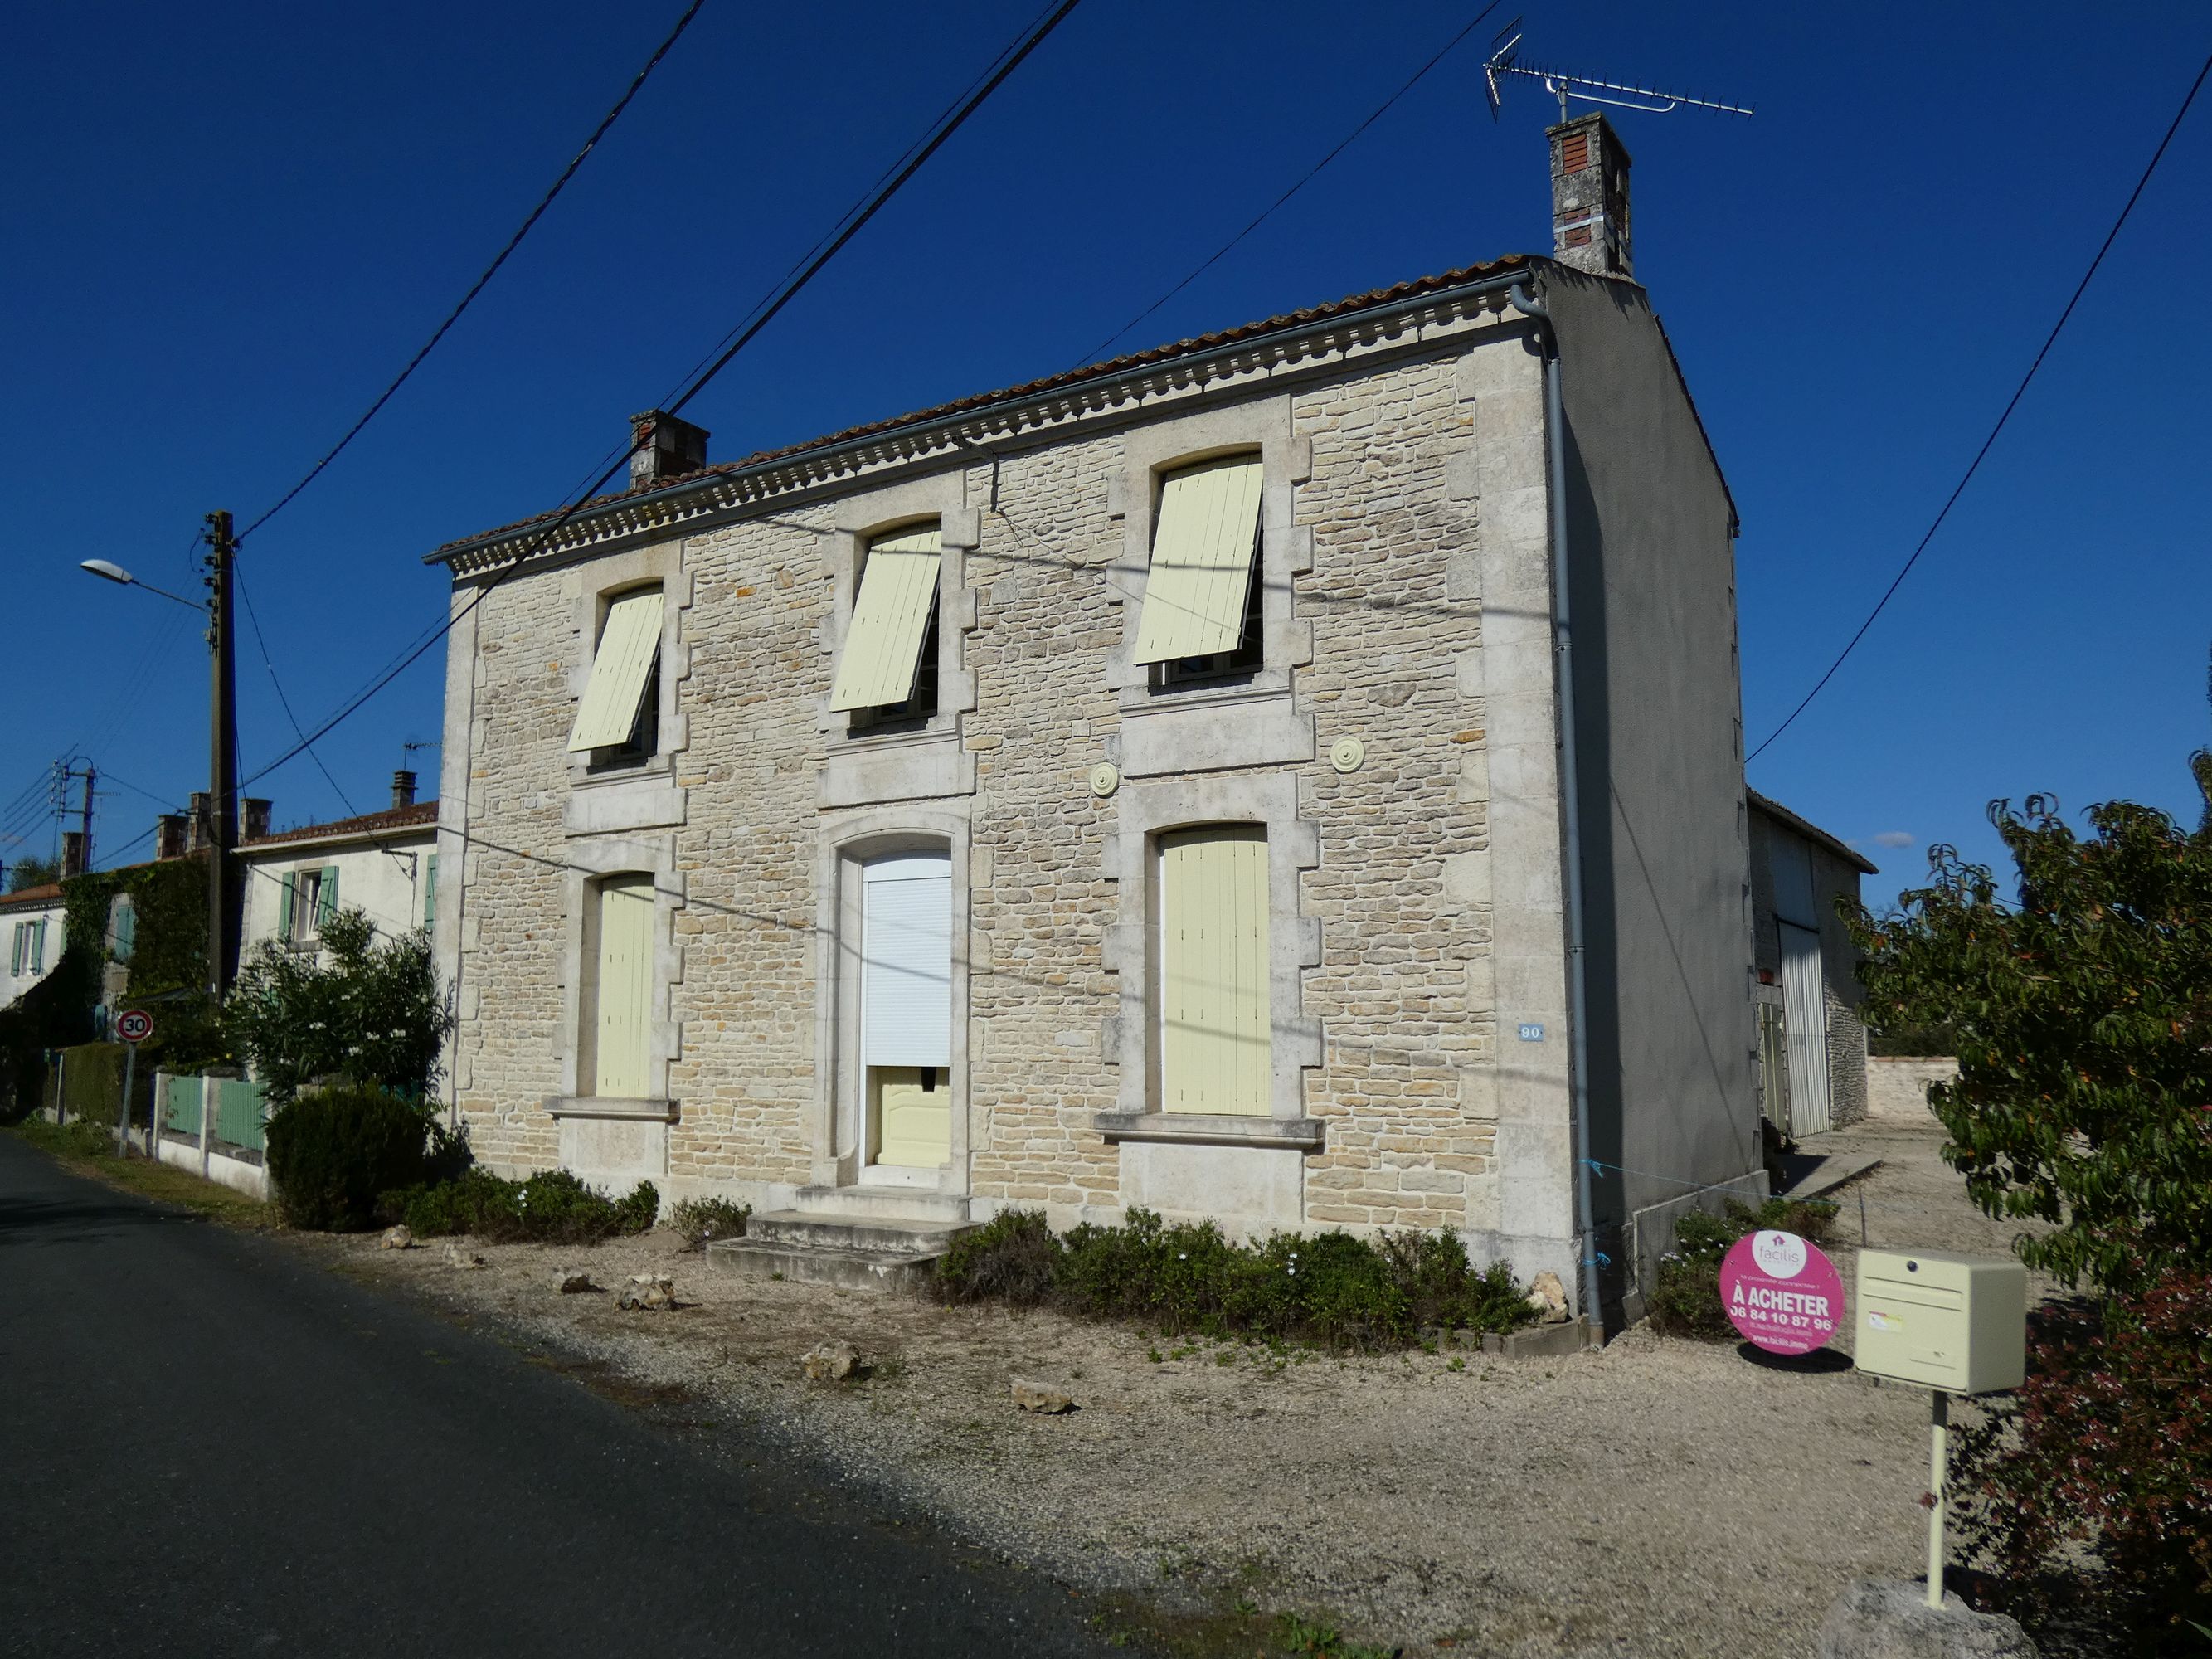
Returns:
point(1658, 1499)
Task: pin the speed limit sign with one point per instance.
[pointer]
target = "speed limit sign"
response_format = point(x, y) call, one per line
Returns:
point(134, 1025)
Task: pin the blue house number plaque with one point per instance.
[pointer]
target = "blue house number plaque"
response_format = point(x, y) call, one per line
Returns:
point(1531, 1031)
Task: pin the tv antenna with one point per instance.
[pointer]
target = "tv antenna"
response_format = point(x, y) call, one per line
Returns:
point(1505, 60)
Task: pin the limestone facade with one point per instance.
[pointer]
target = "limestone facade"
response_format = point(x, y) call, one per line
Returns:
point(1414, 887)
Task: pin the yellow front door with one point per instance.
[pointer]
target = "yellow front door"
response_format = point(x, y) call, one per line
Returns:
point(1214, 1039)
point(913, 1115)
point(625, 997)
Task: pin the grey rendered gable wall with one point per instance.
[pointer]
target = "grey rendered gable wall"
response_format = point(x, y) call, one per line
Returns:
point(1659, 734)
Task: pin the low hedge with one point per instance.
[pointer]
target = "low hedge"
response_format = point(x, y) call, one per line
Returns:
point(1686, 1300)
point(553, 1207)
point(1331, 1289)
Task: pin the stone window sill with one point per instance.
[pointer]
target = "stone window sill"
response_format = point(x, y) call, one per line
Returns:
point(1303, 1135)
point(650, 1111)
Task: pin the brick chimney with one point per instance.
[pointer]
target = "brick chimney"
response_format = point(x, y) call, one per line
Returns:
point(199, 831)
point(72, 854)
point(171, 835)
point(1589, 198)
point(402, 790)
point(252, 817)
point(663, 447)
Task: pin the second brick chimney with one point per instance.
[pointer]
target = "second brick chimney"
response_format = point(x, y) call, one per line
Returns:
point(663, 447)
point(402, 790)
point(1589, 198)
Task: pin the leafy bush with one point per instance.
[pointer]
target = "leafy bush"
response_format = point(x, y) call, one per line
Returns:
point(371, 1011)
point(333, 1153)
point(1329, 1288)
point(699, 1220)
point(1686, 1301)
point(2105, 1453)
point(2079, 1014)
point(551, 1207)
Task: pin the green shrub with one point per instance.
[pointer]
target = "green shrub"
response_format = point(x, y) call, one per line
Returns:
point(700, 1219)
point(1686, 1301)
point(552, 1207)
point(2091, 1491)
point(1330, 1288)
point(333, 1153)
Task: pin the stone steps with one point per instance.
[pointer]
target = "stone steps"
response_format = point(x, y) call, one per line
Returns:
point(809, 1247)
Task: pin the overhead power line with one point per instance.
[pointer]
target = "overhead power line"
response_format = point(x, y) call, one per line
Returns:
point(2019, 392)
point(762, 314)
point(1310, 174)
point(637, 82)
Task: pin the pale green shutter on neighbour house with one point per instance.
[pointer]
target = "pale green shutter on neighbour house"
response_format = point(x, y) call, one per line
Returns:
point(326, 896)
point(431, 891)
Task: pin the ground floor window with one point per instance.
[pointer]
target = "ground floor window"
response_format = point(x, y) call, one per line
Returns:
point(621, 1019)
point(905, 1009)
point(1214, 1039)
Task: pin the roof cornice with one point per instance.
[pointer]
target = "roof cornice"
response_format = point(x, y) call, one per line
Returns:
point(1414, 317)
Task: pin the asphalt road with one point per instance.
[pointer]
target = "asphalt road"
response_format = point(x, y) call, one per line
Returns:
point(210, 1445)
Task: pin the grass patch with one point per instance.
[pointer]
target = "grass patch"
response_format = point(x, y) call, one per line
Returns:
point(87, 1148)
point(1330, 1289)
point(1687, 1299)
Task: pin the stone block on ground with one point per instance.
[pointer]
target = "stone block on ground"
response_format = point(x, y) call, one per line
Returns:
point(572, 1281)
point(397, 1238)
point(1036, 1397)
point(1878, 1619)
point(458, 1257)
point(831, 1362)
point(648, 1292)
point(1548, 1296)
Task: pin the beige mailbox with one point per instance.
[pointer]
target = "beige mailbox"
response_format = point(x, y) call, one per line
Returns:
point(1954, 1323)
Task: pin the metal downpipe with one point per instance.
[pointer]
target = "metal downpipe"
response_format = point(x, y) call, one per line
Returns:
point(1569, 803)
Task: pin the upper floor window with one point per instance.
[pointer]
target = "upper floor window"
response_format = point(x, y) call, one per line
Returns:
point(1201, 605)
point(305, 903)
point(888, 672)
point(30, 952)
point(618, 721)
point(122, 928)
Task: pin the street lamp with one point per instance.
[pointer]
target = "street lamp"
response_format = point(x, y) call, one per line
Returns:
point(222, 746)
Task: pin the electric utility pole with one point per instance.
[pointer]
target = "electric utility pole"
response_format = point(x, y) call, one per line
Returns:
point(223, 772)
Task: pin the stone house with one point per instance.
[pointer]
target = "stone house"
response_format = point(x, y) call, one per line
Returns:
point(1164, 784)
point(384, 864)
point(1812, 1044)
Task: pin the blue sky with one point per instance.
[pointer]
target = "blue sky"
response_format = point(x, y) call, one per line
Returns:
point(227, 228)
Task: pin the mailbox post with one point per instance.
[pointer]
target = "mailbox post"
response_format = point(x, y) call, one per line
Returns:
point(1955, 1324)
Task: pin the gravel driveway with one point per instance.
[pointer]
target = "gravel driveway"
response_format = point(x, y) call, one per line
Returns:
point(1658, 1499)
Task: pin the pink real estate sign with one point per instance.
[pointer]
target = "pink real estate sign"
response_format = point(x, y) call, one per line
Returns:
point(1781, 1293)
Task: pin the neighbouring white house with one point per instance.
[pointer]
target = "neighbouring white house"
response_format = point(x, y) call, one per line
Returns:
point(1166, 784)
point(31, 924)
point(382, 864)
point(1812, 1043)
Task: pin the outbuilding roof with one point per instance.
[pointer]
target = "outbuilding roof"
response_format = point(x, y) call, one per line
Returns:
point(46, 895)
point(1812, 831)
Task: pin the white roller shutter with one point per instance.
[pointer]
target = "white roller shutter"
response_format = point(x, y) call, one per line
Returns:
point(906, 972)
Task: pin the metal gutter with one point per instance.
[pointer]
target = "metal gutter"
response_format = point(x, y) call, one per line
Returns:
point(1570, 802)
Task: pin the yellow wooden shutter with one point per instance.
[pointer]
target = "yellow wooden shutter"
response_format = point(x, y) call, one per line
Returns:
point(628, 645)
point(1201, 564)
point(882, 643)
point(625, 998)
point(1214, 1027)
